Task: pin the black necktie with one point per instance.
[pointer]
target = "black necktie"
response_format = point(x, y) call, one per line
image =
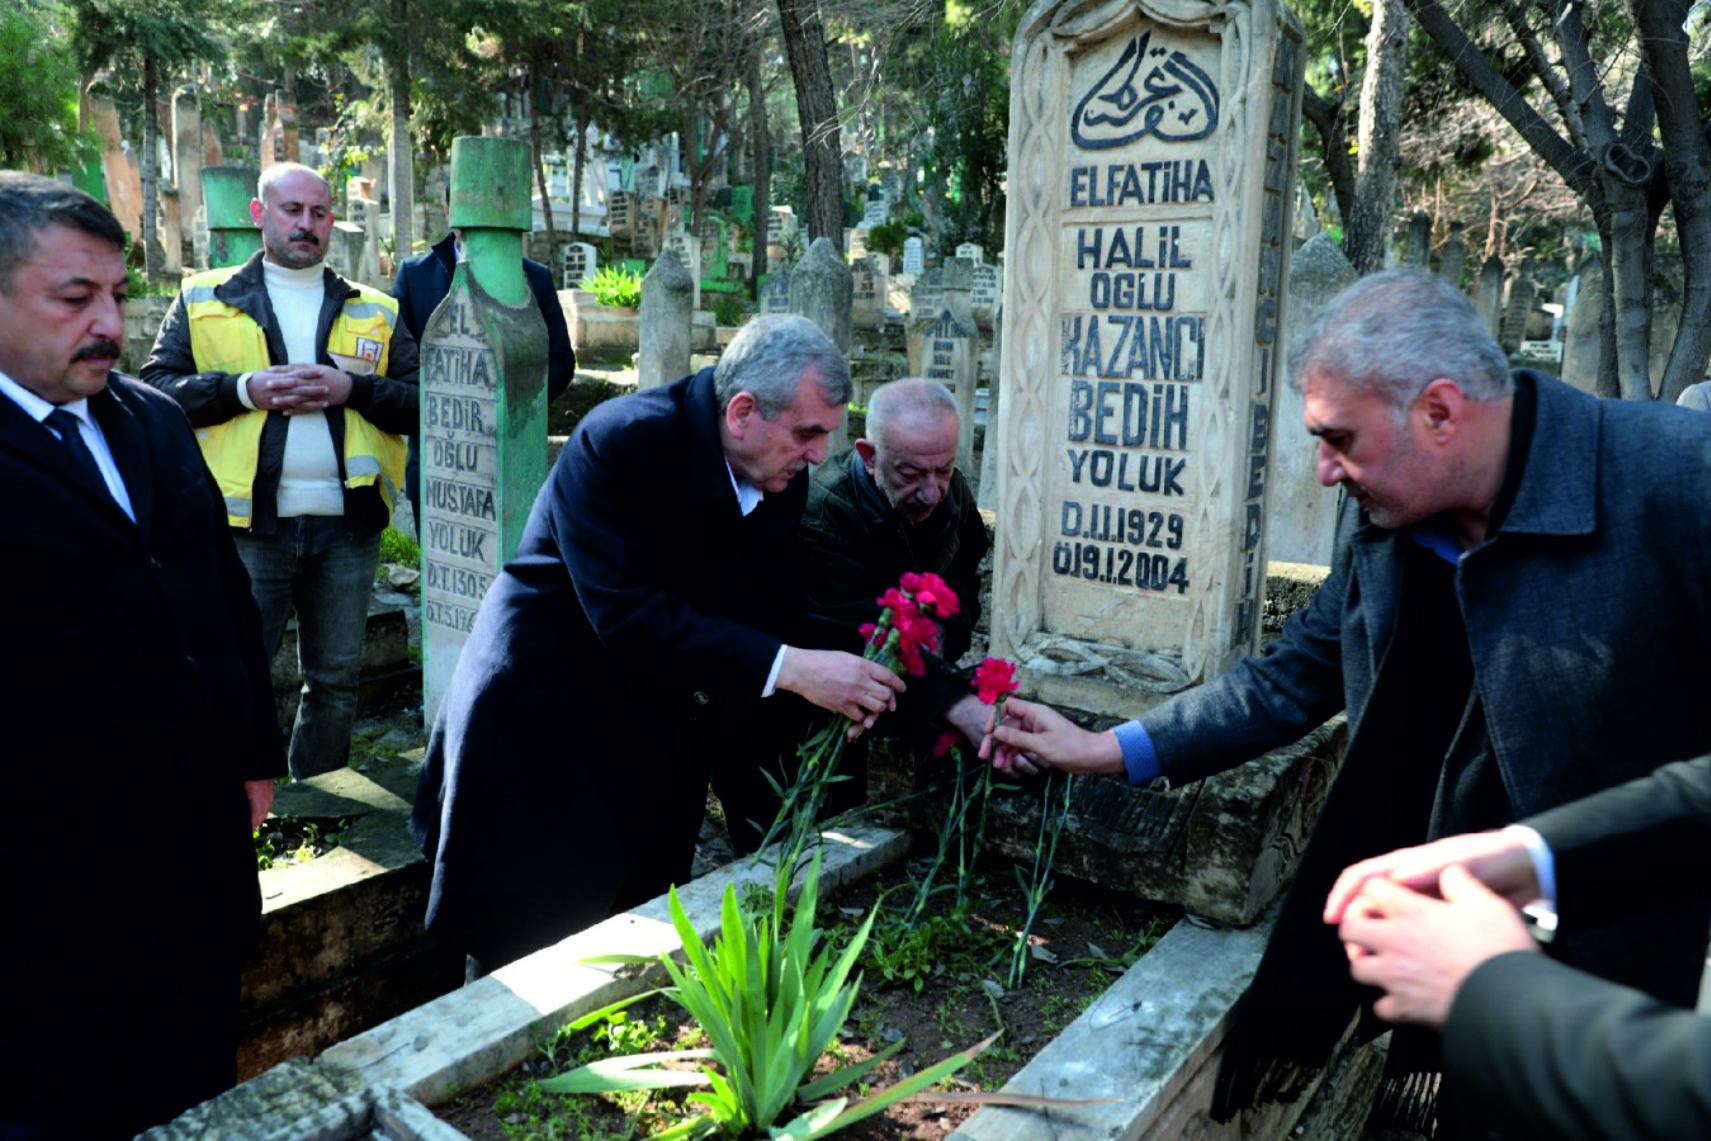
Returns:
point(71, 432)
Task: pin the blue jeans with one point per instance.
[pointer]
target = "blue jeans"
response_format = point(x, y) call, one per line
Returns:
point(313, 566)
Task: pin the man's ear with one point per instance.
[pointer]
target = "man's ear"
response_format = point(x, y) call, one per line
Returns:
point(865, 449)
point(255, 210)
point(1442, 404)
point(738, 412)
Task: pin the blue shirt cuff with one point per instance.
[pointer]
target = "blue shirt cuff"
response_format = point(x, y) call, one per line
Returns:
point(1139, 756)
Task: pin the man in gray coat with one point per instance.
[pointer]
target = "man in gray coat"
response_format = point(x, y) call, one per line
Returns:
point(1522, 576)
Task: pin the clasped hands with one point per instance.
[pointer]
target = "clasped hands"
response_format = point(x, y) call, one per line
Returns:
point(293, 389)
point(1416, 922)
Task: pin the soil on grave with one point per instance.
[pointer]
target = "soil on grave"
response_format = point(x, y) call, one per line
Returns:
point(1092, 934)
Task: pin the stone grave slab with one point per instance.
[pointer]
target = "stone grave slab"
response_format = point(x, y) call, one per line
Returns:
point(1142, 346)
point(947, 349)
point(1223, 847)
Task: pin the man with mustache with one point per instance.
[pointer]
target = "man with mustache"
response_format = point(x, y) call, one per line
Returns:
point(136, 701)
point(302, 388)
point(1522, 574)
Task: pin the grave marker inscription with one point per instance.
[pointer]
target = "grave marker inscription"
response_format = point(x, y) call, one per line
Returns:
point(1152, 159)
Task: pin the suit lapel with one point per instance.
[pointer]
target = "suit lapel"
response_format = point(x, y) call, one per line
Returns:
point(129, 445)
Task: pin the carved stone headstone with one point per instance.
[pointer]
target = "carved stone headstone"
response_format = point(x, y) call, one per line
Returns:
point(119, 167)
point(620, 214)
point(821, 289)
point(1512, 327)
point(668, 307)
point(1419, 251)
point(1453, 256)
point(987, 287)
point(874, 215)
point(1151, 187)
point(946, 349)
point(914, 261)
point(780, 230)
point(187, 155)
point(775, 291)
point(581, 261)
point(972, 252)
point(1301, 520)
point(927, 295)
point(868, 285)
point(171, 231)
point(1584, 343)
point(484, 404)
point(855, 241)
point(1489, 300)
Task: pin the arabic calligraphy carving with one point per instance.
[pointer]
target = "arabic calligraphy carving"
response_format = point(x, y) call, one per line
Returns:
point(1173, 100)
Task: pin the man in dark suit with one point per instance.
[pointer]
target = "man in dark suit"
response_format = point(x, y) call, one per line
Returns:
point(1538, 1048)
point(1515, 560)
point(634, 645)
point(423, 282)
point(137, 709)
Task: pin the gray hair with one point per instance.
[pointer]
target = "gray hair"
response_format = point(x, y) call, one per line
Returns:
point(768, 357)
point(1397, 331)
point(279, 170)
point(30, 204)
point(911, 396)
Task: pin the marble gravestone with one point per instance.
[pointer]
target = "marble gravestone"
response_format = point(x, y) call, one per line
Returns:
point(775, 291)
point(971, 252)
point(914, 260)
point(946, 348)
point(1151, 185)
point(581, 261)
point(868, 286)
point(484, 405)
point(987, 288)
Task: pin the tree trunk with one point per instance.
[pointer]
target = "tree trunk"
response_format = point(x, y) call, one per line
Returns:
point(578, 124)
point(816, 105)
point(1378, 137)
point(536, 102)
point(760, 142)
point(154, 261)
point(1331, 121)
point(1687, 163)
point(401, 177)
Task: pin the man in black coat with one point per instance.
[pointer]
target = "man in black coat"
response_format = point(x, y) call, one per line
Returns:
point(632, 647)
point(137, 716)
point(1537, 1048)
point(423, 282)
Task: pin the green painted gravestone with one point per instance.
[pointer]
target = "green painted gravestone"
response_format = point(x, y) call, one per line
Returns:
point(484, 404)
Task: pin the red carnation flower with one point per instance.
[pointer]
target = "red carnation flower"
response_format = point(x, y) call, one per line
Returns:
point(995, 678)
point(948, 740)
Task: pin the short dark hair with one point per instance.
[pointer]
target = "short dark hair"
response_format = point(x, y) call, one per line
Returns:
point(30, 203)
point(768, 357)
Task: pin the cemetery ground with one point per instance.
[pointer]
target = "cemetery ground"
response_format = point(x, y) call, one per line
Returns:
point(937, 985)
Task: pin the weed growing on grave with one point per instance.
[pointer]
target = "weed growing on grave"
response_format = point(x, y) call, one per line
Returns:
point(397, 547)
point(615, 286)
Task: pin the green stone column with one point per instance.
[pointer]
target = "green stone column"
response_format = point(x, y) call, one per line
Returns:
point(227, 192)
point(484, 404)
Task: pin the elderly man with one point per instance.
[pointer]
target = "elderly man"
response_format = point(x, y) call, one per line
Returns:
point(897, 503)
point(302, 387)
point(1521, 574)
point(634, 647)
point(135, 692)
point(1540, 1049)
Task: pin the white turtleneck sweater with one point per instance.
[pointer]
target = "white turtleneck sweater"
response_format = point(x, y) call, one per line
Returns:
point(309, 482)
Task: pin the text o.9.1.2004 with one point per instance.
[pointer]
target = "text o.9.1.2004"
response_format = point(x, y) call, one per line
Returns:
point(1120, 566)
